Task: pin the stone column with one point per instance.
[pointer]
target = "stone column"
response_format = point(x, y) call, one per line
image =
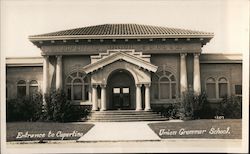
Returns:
point(197, 79)
point(94, 98)
point(138, 97)
point(147, 97)
point(183, 74)
point(45, 74)
point(103, 98)
point(58, 72)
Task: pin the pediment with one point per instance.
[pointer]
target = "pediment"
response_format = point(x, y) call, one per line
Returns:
point(135, 58)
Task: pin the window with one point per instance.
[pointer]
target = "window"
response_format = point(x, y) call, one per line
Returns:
point(238, 89)
point(77, 86)
point(216, 89)
point(164, 85)
point(21, 89)
point(222, 87)
point(210, 88)
point(33, 87)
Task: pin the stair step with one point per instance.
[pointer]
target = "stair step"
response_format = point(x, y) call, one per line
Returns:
point(125, 120)
point(124, 116)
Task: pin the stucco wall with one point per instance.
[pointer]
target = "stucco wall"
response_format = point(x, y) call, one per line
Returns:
point(27, 73)
point(172, 64)
point(70, 64)
point(233, 72)
point(73, 63)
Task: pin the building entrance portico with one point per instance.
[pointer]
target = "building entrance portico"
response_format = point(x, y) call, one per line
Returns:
point(121, 90)
point(120, 74)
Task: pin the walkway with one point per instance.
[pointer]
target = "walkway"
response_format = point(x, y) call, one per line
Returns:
point(120, 131)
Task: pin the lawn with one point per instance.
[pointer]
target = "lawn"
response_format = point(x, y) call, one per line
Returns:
point(205, 128)
point(29, 131)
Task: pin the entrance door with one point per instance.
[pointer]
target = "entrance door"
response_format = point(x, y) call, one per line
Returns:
point(121, 98)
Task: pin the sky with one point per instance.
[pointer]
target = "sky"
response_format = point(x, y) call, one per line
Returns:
point(227, 19)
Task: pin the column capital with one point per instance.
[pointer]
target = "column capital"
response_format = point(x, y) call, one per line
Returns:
point(103, 85)
point(147, 85)
point(183, 54)
point(139, 85)
point(94, 85)
point(46, 57)
point(197, 54)
point(59, 57)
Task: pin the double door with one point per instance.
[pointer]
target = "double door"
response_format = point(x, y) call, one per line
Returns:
point(121, 98)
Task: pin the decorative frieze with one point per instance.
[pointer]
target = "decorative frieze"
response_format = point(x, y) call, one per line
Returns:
point(94, 48)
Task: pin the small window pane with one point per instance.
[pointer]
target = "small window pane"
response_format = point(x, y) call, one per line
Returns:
point(80, 74)
point(172, 78)
point(223, 80)
point(74, 74)
point(21, 91)
point(33, 90)
point(125, 90)
point(211, 90)
point(222, 90)
point(160, 73)
point(164, 90)
point(77, 81)
point(69, 92)
point(116, 90)
point(238, 89)
point(164, 79)
point(86, 80)
point(77, 92)
point(21, 82)
point(167, 73)
point(210, 80)
point(173, 90)
point(33, 82)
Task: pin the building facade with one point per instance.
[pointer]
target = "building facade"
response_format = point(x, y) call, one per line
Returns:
point(125, 66)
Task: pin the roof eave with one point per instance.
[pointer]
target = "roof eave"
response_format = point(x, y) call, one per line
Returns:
point(72, 37)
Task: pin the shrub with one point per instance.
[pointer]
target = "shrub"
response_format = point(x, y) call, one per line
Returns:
point(231, 107)
point(195, 106)
point(25, 109)
point(172, 111)
point(58, 108)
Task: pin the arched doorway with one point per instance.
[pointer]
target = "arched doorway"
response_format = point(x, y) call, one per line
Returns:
point(121, 90)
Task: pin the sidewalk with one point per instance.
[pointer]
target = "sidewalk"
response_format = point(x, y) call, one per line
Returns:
point(170, 145)
point(120, 131)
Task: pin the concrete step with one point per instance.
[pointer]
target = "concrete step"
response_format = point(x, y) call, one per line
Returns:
point(124, 116)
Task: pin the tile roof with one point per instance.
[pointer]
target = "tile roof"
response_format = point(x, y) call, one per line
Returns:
point(122, 31)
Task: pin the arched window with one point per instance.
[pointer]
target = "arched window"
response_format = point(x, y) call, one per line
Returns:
point(211, 88)
point(164, 86)
point(223, 87)
point(77, 86)
point(33, 87)
point(21, 89)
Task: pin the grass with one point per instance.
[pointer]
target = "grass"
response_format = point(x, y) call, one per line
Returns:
point(68, 131)
point(175, 129)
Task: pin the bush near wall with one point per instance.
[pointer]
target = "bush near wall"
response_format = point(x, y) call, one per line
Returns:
point(230, 107)
point(171, 111)
point(58, 108)
point(195, 106)
point(24, 109)
point(190, 107)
